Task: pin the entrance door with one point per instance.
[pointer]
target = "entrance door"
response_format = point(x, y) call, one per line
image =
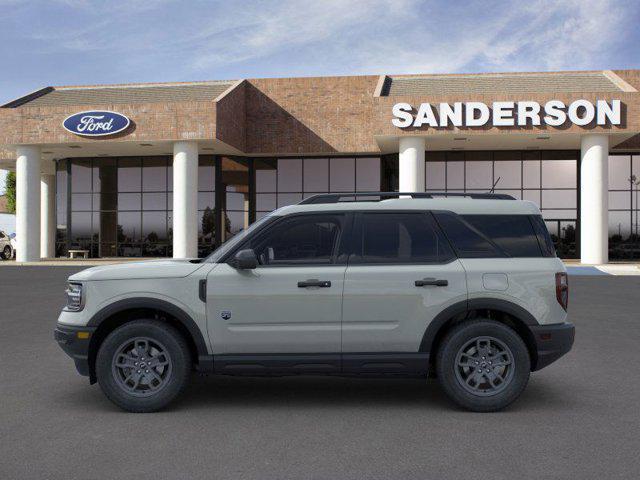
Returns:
point(289, 304)
point(401, 275)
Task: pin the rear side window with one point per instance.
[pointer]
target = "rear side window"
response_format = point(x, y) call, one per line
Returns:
point(399, 238)
point(514, 234)
point(544, 239)
point(466, 239)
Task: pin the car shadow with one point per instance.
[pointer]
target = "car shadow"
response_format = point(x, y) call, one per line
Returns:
point(308, 392)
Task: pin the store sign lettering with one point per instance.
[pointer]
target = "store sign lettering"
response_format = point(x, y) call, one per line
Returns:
point(553, 113)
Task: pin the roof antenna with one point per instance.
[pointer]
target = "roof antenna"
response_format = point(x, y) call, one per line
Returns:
point(494, 185)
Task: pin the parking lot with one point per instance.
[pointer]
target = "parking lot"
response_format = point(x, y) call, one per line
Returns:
point(579, 418)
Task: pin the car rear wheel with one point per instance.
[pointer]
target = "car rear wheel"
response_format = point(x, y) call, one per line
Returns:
point(483, 365)
point(6, 253)
point(143, 365)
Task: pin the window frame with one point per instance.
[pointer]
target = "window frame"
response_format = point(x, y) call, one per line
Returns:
point(357, 232)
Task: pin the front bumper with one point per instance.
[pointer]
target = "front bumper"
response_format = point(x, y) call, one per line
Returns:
point(75, 343)
point(552, 342)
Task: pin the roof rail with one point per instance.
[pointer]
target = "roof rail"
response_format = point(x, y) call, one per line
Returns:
point(357, 196)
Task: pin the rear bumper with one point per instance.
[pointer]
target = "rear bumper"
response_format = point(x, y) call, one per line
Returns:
point(552, 342)
point(74, 345)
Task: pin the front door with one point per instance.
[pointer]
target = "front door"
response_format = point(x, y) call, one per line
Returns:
point(401, 274)
point(291, 303)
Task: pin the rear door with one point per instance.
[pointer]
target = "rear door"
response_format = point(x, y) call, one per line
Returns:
point(401, 274)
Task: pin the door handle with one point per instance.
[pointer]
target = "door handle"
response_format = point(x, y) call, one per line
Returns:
point(314, 283)
point(431, 281)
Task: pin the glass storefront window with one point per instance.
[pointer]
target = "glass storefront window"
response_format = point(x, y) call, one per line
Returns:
point(316, 175)
point(435, 176)
point(547, 178)
point(509, 174)
point(624, 202)
point(342, 174)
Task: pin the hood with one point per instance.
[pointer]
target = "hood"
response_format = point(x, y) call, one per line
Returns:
point(148, 269)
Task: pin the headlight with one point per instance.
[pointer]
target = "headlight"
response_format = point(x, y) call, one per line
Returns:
point(75, 300)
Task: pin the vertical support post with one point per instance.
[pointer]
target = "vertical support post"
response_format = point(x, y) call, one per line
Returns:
point(185, 199)
point(411, 164)
point(28, 203)
point(594, 204)
point(48, 212)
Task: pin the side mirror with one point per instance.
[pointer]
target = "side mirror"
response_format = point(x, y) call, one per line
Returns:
point(245, 260)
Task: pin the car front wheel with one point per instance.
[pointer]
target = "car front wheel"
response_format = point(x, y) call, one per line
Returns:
point(6, 253)
point(483, 365)
point(143, 365)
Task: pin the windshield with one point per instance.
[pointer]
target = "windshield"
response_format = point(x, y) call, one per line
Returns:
point(222, 250)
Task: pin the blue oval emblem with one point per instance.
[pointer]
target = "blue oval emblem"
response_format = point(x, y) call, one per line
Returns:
point(96, 123)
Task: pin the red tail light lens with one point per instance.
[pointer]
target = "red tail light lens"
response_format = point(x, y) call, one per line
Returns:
point(562, 289)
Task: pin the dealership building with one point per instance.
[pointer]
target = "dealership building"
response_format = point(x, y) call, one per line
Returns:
point(176, 169)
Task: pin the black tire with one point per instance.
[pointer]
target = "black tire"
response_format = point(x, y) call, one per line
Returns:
point(453, 353)
point(7, 253)
point(171, 379)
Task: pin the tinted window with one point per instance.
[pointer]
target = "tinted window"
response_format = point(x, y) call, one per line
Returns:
point(544, 239)
point(309, 239)
point(400, 238)
point(512, 233)
point(468, 242)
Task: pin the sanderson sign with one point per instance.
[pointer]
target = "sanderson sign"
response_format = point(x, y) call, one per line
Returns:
point(507, 114)
point(96, 123)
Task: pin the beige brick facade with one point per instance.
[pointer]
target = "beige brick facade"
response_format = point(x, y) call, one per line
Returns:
point(292, 116)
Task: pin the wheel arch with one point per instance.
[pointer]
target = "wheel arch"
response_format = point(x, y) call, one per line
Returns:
point(503, 311)
point(127, 310)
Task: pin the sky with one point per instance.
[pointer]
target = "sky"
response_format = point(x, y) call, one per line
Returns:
point(76, 42)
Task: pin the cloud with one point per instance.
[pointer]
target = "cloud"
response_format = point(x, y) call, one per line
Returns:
point(78, 41)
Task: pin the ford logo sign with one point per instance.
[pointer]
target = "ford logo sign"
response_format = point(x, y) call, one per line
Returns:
point(96, 123)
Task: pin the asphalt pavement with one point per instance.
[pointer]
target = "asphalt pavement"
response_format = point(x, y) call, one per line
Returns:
point(578, 418)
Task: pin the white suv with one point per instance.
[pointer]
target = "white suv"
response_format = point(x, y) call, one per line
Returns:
point(465, 287)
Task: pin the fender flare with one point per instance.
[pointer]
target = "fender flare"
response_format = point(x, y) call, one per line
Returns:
point(465, 306)
point(156, 304)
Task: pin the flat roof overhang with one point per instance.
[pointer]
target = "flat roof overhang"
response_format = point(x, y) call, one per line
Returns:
point(99, 149)
point(507, 140)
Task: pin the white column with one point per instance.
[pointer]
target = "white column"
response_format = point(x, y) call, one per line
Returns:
point(411, 164)
point(28, 203)
point(594, 199)
point(47, 215)
point(185, 200)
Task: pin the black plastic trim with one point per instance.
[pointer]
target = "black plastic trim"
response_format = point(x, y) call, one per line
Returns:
point(202, 290)
point(156, 304)
point(366, 363)
point(504, 306)
point(474, 304)
point(76, 348)
point(552, 342)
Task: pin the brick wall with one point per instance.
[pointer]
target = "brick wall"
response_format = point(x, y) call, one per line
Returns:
point(319, 115)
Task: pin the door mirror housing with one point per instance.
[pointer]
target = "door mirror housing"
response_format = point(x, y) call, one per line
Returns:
point(245, 260)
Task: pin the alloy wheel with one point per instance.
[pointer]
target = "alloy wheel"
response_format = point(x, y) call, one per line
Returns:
point(141, 366)
point(484, 366)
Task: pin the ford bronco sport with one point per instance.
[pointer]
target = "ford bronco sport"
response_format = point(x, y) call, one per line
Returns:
point(463, 287)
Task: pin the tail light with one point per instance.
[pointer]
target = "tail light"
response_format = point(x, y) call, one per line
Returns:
point(562, 289)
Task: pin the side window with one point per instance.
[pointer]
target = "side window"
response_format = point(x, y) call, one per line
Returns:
point(400, 238)
point(513, 233)
point(2, 236)
point(305, 239)
point(468, 242)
